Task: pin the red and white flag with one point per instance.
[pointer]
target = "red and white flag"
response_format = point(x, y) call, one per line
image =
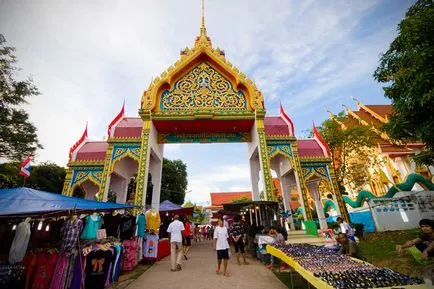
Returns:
point(78, 143)
point(25, 167)
point(116, 120)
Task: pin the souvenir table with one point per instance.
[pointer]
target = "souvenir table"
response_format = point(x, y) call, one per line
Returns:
point(319, 277)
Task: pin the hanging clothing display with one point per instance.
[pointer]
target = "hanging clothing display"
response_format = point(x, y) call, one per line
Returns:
point(91, 227)
point(12, 276)
point(141, 225)
point(44, 270)
point(57, 281)
point(97, 268)
point(112, 224)
point(127, 227)
point(76, 281)
point(130, 258)
point(69, 234)
point(153, 220)
point(70, 269)
point(30, 262)
point(117, 262)
point(150, 246)
point(139, 249)
point(20, 242)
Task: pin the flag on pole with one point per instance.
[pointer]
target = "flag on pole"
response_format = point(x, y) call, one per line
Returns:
point(25, 167)
point(116, 120)
point(78, 143)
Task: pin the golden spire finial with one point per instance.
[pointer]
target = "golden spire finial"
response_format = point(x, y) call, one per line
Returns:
point(202, 27)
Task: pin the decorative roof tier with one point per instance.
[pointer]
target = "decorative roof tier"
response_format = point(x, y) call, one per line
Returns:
point(275, 126)
point(201, 82)
point(375, 116)
point(128, 127)
point(92, 151)
point(308, 148)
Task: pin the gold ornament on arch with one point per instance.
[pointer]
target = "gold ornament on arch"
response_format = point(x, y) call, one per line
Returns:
point(203, 87)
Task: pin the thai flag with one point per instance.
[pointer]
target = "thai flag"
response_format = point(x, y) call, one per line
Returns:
point(25, 168)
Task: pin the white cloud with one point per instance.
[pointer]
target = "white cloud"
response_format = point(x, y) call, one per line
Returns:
point(218, 179)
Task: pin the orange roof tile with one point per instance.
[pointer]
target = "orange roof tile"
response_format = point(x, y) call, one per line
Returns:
point(217, 199)
point(381, 110)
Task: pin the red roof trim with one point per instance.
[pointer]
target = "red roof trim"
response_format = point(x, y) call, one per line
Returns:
point(287, 120)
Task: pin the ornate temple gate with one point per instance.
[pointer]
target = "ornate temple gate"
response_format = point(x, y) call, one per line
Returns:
point(202, 98)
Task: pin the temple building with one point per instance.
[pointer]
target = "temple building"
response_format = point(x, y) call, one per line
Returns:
point(395, 161)
point(202, 98)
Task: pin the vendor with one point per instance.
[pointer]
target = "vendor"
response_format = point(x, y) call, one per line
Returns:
point(345, 228)
point(424, 243)
point(347, 246)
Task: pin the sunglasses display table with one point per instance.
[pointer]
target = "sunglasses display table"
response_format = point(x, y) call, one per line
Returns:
point(337, 268)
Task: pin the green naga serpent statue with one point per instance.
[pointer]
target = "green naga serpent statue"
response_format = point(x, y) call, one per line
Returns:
point(363, 195)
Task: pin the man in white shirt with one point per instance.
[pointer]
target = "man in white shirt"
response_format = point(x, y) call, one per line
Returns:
point(221, 244)
point(175, 230)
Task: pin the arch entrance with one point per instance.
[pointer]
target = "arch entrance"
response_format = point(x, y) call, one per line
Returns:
point(202, 98)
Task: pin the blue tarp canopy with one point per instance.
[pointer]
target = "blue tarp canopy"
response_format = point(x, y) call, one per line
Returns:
point(167, 206)
point(31, 202)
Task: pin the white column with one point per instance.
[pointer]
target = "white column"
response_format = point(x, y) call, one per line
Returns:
point(284, 182)
point(300, 194)
point(106, 188)
point(314, 191)
point(155, 169)
point(254, 176)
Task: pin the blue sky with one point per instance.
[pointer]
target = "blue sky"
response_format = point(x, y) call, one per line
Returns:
point(86, 58)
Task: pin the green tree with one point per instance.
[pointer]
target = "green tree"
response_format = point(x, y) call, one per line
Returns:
point(241, 200)
point(198, 215)
point(46, 177)
point(173, 181)
point(188, 204)
point(18, 136)
point(9, 177)
point(407, 70)
point(352, 150)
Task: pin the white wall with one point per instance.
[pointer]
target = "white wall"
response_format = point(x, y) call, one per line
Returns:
point(402, 212)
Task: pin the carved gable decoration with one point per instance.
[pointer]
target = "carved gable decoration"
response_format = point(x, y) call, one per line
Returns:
point(203, 88)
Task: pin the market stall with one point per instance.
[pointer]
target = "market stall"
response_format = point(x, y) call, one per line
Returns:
point(52, 241)
point(256, 213)
point(167, 210)
point(327, 269)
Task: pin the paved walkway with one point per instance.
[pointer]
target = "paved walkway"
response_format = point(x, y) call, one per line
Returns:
point(199, 272)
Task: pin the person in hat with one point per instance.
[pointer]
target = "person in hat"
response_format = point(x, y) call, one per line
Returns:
point(175, 230)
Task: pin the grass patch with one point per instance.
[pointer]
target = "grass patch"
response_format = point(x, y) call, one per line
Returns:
point(380, 249)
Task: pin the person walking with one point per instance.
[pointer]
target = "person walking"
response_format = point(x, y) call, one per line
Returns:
point(221, 245)
point(186, 241)
point(175, 230)
point(237, 234)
